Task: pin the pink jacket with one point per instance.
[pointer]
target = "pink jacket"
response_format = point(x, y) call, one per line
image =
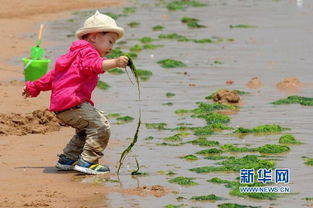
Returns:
point(73, 78)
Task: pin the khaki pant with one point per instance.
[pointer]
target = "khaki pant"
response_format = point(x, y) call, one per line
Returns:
point(92, 132)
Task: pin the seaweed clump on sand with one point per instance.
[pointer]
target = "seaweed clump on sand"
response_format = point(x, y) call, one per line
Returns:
point(288, 139)
point(211, 197)
point(268, 148)
point(171, 63)
point(192, 22)
point(203, 142)
point(190, 157)
point(185, 181)
point(295, 100)
point(267, 128)
point(308, 160)
point(209, 151)
point(182, 4)
point(235, 164)
point(242, 26)
point(235, 205)
point(235, 189)
point(102, 85)
point(158, 126)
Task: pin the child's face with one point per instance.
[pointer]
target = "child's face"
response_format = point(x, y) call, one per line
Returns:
point(104, 42)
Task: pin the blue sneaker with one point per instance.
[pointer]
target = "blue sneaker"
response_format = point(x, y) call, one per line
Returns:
point(90, 168)
point(65, 163)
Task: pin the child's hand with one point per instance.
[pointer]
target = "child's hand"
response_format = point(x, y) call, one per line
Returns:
point(25, 93)
point(121, 61)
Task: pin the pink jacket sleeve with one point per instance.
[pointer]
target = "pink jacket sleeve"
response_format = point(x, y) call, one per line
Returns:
point(91, 62)
point(42, 84)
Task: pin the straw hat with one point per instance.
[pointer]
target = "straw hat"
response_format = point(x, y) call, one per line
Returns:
point(99, 23)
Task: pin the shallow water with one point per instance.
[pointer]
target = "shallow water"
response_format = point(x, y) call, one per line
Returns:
point(280, 46)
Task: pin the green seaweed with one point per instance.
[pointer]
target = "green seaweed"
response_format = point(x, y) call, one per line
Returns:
point(184, 181)
point(218, 62)
point(175, 138)
point(267, 128)
point(113, 115)
point(213, 118)
point(158, 126)
point(242, 26)
point(308, 160)
point(210, 151)
point(183, 4)
point(170, 94)
point(129, 10)
point(143, 74)
point(136, 48)
point(133, 24)
point(157, 28)
point(102, 85)
point(235, 164)
point(170, 173)
point(288, 139)
point(205, 40)
point(308, 198)
point(209, 107)
point(236, 91)
point(234, 205)
point(125, 119)
point(216, 157)
point(113, 15)
point(174, 206)
point(116, 71)
point(171, 63)
point(273, 148)
point(171, 144)
point(190, 157)
point(295, 100)
point(181, 111)
point(168, 104)
point(232, 148)
point(203, 131)
point(211, 197)
point(151, 46)
point(203, 142)
point(191, 22)
point(149, 138)
point(146, 39)
point(174, 36)
point(133, 68)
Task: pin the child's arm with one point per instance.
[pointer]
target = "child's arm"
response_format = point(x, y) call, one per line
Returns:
point(92, 63)
point(32, 89)
point(121, 61)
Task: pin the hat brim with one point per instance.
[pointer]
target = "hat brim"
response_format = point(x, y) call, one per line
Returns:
point(83, 31)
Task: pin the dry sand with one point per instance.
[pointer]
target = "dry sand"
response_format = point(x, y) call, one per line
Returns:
point(27, 176)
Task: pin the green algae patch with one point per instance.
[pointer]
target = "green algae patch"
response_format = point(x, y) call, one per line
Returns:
point(157, 28)
point(182, 4)
point(208, 107)
point(175, 138)
point(192, 22)
point(235, 164)
point(136, 48)
point(203, 131)
point(273, 148)
point(210, 151)
point(158, 126)
point(168, 103)
point(113, 15)
point(113, 115)
point(116, 71)
point(144, 75)
point(124, 119)
point(174, 36)
point(190, 157)
point(182, 111)
point(171, 63)
point(216, 157)
point(174, 206)
point(218, 62)
point(211, 197)
point(151, 46)
point(133, 24)
point(267, 128)
point(102, 85)
point(308, 160)
point(242, 26)
point(170, 94)
point(232, 148)
point(129, 10)
point(234, 205)
point(205, 40)
point(288, 139)
point(213, 118)
point(170, 144)
point(184, 181)
point(203, 142)
point(149, 138)
point(146, 39)
point(295, 100)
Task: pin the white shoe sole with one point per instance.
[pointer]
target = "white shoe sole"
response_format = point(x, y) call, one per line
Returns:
point(88, 171)
point(64, 167)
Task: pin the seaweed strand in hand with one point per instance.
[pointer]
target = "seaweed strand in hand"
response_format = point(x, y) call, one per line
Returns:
point(133, 68)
